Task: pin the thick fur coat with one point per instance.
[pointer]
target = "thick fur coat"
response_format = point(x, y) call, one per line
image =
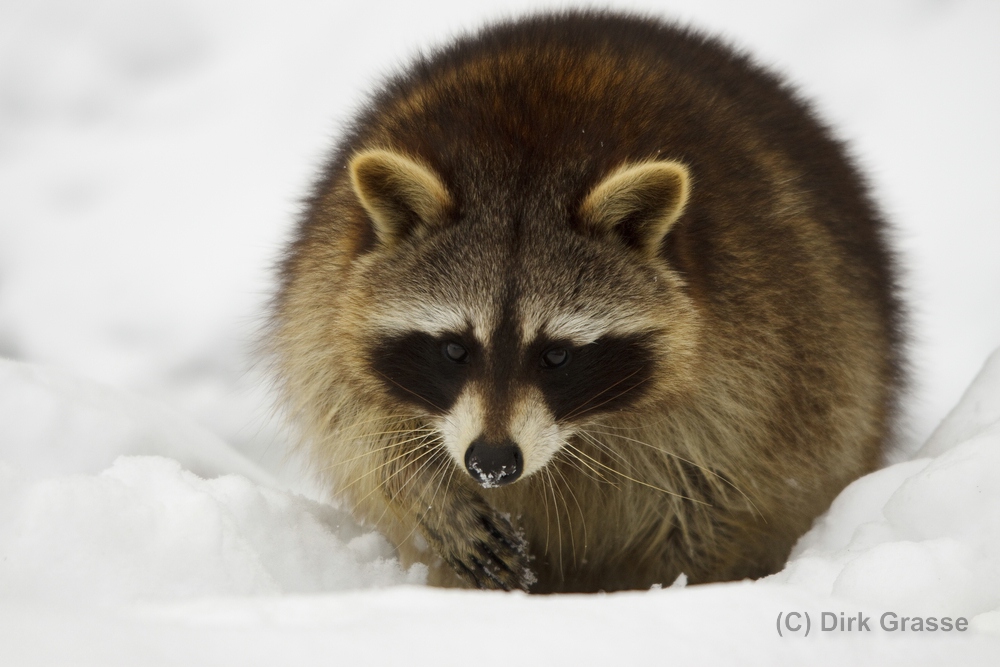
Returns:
point(585, 301)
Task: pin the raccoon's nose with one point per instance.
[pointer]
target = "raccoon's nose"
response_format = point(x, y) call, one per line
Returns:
point(493, 464)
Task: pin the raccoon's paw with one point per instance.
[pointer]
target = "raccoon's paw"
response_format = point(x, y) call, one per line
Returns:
point(495, 556)
point(484, 549)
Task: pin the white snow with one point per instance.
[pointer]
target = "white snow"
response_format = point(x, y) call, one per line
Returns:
point(56, 423)
point(151, 154)
point(146, 529)
point(85, 521)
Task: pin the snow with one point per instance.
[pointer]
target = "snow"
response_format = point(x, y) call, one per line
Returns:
point(151, 157)
point(57, 423)
point(147, 529)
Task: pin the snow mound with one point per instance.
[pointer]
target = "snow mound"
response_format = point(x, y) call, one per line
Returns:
point(145, 528)
point(977, 413)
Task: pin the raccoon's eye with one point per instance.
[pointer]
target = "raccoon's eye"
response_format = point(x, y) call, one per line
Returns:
point(455, 352)
point(555, 357)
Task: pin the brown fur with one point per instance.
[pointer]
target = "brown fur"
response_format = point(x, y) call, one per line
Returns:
point(768, 307)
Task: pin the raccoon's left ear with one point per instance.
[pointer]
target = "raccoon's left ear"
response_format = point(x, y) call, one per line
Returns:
point(639, 203)
point(402, 196)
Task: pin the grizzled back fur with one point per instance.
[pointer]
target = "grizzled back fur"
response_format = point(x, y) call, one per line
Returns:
point(584, 301)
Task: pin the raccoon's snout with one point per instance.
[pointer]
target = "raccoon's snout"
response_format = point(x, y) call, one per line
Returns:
point(494, 464)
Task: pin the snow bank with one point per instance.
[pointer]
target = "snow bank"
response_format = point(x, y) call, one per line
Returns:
point(145, 528)
point(977, 413)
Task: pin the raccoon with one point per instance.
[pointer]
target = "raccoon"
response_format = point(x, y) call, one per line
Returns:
point(586, 301)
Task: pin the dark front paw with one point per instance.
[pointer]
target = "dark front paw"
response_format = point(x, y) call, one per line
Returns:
point(482, 546)
point(494, 557)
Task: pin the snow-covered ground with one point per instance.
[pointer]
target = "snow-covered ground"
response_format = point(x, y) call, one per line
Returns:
point(151, 156)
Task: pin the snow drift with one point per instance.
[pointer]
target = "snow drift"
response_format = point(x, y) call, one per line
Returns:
point(144, 528)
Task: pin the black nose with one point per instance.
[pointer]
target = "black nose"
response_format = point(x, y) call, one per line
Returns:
point(493, 464)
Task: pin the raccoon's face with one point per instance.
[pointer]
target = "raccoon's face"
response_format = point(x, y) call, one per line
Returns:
point(507, 338)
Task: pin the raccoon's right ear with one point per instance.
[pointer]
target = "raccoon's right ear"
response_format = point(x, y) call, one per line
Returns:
point(639, 203)
point(401, 196)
